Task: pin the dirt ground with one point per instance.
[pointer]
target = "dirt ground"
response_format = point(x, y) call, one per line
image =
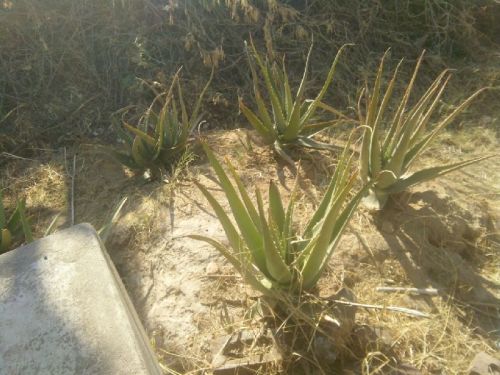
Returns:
point(443, 234)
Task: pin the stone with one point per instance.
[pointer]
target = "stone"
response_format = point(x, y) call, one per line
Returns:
point(405, 369)
point(387, 227)
point(64, 310)
point(212, 269)
point(245, 352)
point(370, 339)
point(484, 364)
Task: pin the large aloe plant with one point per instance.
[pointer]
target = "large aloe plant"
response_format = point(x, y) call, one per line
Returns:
point(160, 138)
point(291, 118)
point(13, 228)
point(390, 147)
point(264, 247)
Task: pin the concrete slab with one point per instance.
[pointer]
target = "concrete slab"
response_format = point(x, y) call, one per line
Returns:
point(64, 310)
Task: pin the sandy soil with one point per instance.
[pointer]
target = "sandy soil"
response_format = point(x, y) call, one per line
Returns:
point(443, 234)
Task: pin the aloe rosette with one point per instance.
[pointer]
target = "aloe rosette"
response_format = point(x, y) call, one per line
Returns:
point(390, 148)
point(264, 247)
point(287, 119)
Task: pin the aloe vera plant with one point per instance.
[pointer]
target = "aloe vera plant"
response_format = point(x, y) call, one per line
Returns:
point(291, 119)
point(160, 138)
point(264, 247)
point(390, 147)
point(15, 227)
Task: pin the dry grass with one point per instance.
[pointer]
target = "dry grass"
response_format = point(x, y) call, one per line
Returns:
point(66, 66)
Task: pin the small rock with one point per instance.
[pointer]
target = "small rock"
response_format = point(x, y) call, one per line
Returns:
point(406, 369)
point(369, 339)
point(387, 227)
point(231, 354)
point(325, 349)
point(212, 269)
point(484, 364)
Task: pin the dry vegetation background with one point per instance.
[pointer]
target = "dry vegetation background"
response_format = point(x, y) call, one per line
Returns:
point(67, 66)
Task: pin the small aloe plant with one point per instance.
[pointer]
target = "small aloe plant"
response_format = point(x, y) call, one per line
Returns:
point(14, 228)
point(161, 138)
point(290, 120)
point(264, 247)
point(386, 157)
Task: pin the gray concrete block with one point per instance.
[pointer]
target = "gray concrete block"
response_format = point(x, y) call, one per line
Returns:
point(64, 310)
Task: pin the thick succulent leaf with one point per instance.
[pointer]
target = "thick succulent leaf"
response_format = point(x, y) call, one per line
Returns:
point(364, 157)
point(105, 230)
point(5, 240)
point(375, 97)
point(18, 224)
point(243, 219)
point(265, 117)
point(330, 109)
point(321, 233)
point(294, 125)
point(385, 179)
point(422, 123)
point(362, 95)
point(126, 159)
point(122, 134)
point(311, 143)
point(431, 173)
point(258, 125)
point(409, 124)
point(3, 220)
point(413, 123)
point(288, 234)
point(288, 93)
point(314, 104)
point(273, 94)
point(142, 153)
point(398, 119)
point(276, 265)
point(373, 120)
point(197, 106)
point(139, 133)
point(337, 183)
point(387, 98)
point(184, 114)
point(245, 269)
point(315, 128)
point(232, 234)
point(426, 141)
point(252, 211)
point(327, 239)
point(282, 154)
point(276, 209)
point(161, 134)
point(21, 208)
point(375, 154)
point(376, 199)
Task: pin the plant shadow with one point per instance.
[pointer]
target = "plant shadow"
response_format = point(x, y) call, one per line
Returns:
point(437, 247)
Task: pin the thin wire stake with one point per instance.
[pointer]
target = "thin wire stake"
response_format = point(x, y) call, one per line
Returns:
point(389, 289)
point(72, 176)
point(402, 310)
